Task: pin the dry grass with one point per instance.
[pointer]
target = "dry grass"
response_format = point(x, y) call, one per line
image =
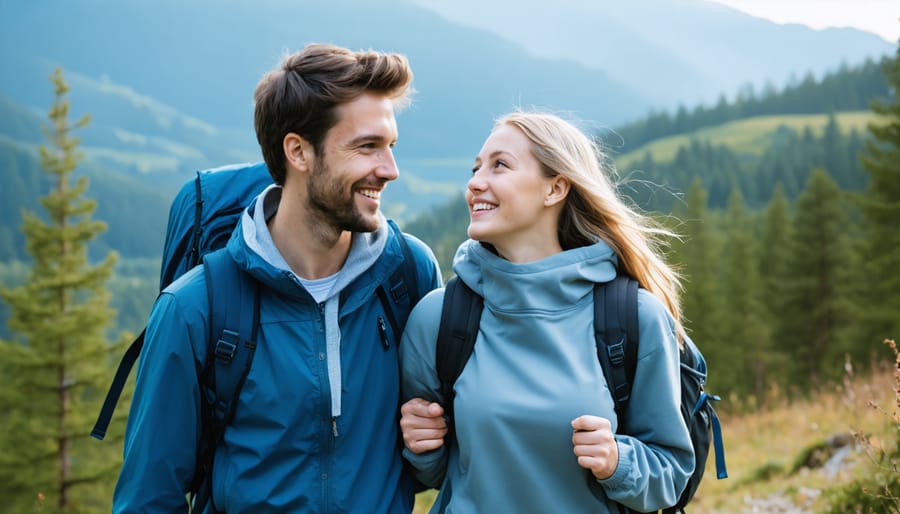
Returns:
point(763, 449)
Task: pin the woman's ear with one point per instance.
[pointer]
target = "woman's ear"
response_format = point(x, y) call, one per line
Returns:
point(298, 152)
point(557, 191)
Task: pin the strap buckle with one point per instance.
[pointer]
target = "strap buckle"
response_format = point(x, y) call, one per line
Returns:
point(226, 346)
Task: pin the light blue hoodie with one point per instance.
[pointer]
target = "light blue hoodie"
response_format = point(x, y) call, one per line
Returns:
point(535, 369)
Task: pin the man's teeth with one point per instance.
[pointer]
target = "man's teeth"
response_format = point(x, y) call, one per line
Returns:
point(481, 206)
point(371, 193)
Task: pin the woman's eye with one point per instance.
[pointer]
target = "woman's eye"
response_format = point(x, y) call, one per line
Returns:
point(500, 163)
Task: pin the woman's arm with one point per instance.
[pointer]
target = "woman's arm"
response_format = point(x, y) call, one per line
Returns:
point(422, 421)
point(656, 458)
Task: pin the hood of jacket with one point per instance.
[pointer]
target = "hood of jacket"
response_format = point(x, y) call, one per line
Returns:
point(561, 280)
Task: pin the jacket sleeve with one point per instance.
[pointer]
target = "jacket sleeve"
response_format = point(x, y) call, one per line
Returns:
point(419, 379)
point(657, 457)
point(164, 421)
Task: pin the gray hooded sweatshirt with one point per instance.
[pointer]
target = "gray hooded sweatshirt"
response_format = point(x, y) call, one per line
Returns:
point(535, 369)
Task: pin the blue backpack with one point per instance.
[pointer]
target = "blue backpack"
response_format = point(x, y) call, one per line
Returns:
point(201, 220)
point(616, 338)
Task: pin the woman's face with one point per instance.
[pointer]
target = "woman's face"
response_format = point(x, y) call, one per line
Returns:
point(508, 198)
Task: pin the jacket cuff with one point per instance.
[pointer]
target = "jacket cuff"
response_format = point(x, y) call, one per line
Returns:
point(428, 467)
point(622, 478)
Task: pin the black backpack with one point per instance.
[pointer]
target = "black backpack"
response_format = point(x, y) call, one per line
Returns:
point(616, 335)
point(201, 220)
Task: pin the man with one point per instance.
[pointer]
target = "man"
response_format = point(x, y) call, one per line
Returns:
point(315, 426)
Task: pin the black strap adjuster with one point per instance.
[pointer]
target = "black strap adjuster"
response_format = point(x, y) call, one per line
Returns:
point(227, 345)
point(617, 352)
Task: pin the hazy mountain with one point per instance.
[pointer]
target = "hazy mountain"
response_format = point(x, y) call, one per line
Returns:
point(169, 83)
point(182, 73)
point(669, 51)
point(195, 64)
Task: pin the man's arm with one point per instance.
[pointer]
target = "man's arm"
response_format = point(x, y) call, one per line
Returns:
point(164, 421)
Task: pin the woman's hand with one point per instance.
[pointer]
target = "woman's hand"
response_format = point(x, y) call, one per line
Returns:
point(423, 425)
point(595, 445)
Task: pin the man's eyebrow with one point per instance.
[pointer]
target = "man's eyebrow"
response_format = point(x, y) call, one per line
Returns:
point(367, 138)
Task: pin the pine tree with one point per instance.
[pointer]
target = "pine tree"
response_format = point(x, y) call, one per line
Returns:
point(819, 305)
point(56, 370)
point(881, 207)
point(773, 260)
point(744, 330)
point(695, 255)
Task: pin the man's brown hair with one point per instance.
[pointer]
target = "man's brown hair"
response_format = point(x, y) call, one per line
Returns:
point(301, 95)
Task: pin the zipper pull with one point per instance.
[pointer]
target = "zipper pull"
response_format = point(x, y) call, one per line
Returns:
point(334, 431)
point(382, 329)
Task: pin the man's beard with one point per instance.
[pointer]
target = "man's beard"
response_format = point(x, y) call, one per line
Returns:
point(334, 203)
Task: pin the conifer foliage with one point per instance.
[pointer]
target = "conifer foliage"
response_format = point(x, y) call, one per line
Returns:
point(881, 207)
point(56, 369)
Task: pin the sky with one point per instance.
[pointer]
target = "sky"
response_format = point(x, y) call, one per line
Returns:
point(881, 17)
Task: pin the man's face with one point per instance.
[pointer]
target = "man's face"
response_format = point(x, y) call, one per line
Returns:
point(355, 165)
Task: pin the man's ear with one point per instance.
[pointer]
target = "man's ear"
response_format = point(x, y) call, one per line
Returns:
point(557, 191)
point(298, 153)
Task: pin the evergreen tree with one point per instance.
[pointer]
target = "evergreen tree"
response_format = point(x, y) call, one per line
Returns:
point(744, 331)
point(835, 152)
point(773, 261)
point(819, 308)
point(695, 255)
point(56, 369)
point(881, 207)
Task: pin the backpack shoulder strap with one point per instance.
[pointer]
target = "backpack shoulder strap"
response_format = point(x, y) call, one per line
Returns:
point(460, 317)
point(616, 334)
point(401, 292)
point(457, 332)
point(408, 269)
point(118, 383)
point(233, 327)
point(234, 319)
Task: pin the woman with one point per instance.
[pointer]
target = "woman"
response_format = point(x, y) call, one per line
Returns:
point(534, 421)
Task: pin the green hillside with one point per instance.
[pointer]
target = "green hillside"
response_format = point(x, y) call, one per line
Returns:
point(749, 137)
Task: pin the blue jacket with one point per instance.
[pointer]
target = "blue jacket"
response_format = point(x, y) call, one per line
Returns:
point(285, 450)
point(533, 370)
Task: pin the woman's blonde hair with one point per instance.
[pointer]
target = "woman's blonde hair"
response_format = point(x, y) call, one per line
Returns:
point(593, 208)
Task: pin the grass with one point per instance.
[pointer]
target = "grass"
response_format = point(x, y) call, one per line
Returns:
point(765, 450)
point(751, 136)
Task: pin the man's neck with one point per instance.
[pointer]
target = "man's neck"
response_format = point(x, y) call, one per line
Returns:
point(312, 249)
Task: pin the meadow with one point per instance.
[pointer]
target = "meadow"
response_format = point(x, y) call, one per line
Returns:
point(752, 136)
